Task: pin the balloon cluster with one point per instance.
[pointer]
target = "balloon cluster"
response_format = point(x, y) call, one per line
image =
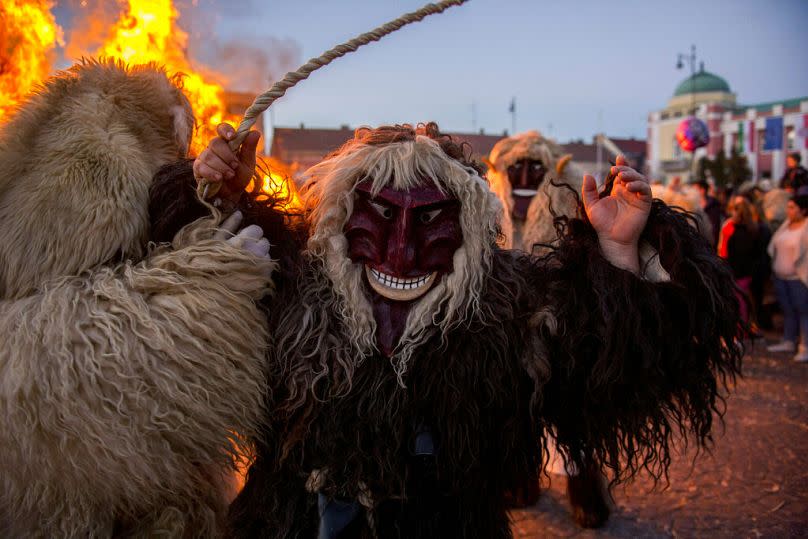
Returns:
point(692, 134)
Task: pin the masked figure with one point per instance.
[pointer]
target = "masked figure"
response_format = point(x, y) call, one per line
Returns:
point(415, 366)
point(126, 373)
point(535, 181)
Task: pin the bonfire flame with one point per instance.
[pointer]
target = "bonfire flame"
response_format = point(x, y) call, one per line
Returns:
point(28, 37)
point(148, 32)
point(282, 188)
point(277, 183)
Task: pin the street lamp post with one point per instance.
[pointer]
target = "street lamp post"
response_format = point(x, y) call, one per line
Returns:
point(691, 60)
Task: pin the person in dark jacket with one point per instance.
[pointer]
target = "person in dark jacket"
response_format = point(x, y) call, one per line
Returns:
point(711, 207)
point(745, 242)
point(796, 175)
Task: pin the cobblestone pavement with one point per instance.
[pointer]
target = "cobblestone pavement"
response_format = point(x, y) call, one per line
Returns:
point(753, 484)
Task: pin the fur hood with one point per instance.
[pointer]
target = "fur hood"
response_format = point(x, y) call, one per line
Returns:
point(550, 199)
point(76, 162)
point(774, 205)
point(527, 145)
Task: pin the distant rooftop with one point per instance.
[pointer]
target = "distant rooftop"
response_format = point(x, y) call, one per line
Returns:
point(630, 145)
point(767, 107)
point(289, 143)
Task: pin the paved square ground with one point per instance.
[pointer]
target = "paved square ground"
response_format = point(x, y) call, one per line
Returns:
point(754, 484)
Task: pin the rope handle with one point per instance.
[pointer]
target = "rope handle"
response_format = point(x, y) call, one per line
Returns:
point(263, 101)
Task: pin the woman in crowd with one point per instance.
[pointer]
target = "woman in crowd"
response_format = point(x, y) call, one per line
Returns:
point(743, 244)
point(789, 251)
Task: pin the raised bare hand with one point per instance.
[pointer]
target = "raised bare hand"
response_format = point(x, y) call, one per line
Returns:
point(619, 218)
point(218, 164)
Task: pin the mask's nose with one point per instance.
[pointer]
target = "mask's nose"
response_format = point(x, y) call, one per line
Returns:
point(525, 176)
point(401, 244)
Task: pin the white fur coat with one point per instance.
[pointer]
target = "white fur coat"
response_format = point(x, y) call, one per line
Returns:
point(125, 373)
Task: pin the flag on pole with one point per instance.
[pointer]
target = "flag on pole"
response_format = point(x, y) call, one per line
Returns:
point(773, 138)
point(512, 107)
point(802, 134)
point(746, 137)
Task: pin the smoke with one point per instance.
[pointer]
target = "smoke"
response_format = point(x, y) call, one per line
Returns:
point(88, 24)
point(247, 67)
point(247, 63)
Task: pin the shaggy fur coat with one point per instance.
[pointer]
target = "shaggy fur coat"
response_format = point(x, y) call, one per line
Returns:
point(128, 374)
point(611, 364)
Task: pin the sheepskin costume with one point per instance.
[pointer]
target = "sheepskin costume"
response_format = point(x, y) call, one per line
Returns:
point(130, 376)
point(556, 195)
point(688, 199)
point(774, 206)
point(429, 442)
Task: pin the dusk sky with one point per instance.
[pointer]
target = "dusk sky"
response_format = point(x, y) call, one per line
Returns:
point(566, 63)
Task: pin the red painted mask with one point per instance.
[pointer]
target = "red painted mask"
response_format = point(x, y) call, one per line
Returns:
point(525, 176)
point(405, 241)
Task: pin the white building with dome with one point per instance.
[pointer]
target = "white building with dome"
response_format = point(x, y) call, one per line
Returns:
point(709, 98)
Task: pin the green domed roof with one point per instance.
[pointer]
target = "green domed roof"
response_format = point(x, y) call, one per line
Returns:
point(702, 82)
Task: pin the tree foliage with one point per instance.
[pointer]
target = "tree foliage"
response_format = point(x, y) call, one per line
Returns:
point(725, 171)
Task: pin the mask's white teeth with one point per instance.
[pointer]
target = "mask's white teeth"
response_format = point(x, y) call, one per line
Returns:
point(399, 283)
point(399, 288)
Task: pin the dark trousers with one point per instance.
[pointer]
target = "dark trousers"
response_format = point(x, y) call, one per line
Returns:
point(793, 298)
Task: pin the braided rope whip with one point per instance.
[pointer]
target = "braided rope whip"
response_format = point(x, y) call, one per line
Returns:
point(263, 101)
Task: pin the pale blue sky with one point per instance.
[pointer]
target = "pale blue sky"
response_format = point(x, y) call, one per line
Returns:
point(565, 62)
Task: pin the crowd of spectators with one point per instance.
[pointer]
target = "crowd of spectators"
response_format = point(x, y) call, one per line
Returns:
point(763, 236)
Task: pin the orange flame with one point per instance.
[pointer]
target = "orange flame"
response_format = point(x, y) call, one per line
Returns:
point(282, 188)
point(277, 183)
point(28, 36)
point(148, 32)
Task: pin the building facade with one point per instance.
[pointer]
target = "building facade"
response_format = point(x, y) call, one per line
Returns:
point(765, 133)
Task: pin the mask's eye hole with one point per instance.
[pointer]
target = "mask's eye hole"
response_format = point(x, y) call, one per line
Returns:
point(384, 211)
point(429, 216)
point(537, 165)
